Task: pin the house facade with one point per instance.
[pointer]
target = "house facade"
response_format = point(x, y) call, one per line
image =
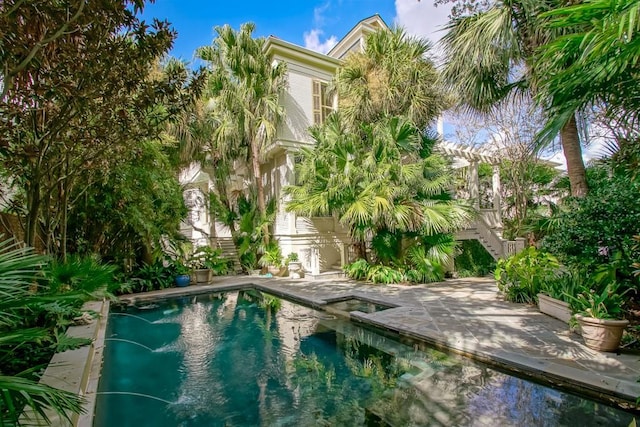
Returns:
point(321, 243)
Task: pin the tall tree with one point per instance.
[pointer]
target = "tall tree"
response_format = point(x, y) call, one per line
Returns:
point(597, 61)
point(493, 53)
point(80, 103)
point(245, 84)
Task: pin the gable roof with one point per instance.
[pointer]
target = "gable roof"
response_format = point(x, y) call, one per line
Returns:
point(356, 36)
point(280, 48)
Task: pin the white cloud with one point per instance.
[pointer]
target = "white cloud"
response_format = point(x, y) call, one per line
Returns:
point(422, 18)
point(312, 41)
point(318, 14)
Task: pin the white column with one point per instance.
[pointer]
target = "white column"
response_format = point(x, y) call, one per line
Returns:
point(497, 200)
point(474, 184)
point(289, 179)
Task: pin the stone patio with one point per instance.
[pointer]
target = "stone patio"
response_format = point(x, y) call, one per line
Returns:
point(466, 316)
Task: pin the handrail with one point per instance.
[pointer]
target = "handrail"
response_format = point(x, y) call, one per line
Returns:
point(489, 236)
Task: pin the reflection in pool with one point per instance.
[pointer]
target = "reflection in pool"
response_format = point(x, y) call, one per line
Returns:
point(247, 359)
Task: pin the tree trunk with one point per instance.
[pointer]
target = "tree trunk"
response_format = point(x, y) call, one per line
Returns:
point(257, 175)
point(573, 155)
point(33, 211)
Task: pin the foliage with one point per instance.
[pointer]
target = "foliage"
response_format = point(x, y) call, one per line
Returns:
point(386, 274)
point(426, 259)
point(159, 274)
point(33, 317)
point(599, 229)
point(461, 8)
point(245, 84)
point(491, 56)
point(595, 61)
point(250, 235)
point(387, 180)
point(79, 273)
point(393, 76)
point(603, 303)
point(272, 255)
point(521, 277)
point(206, 257)
point(358, 269)
point(82, 90)
point(129, 211)
point(292, 257)
point(473, 259)
point(566, 284)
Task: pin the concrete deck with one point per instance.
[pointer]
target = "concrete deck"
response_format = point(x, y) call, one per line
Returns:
point(467, 316)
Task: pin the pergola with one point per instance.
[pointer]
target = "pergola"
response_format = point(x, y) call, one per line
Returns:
point(471, 158)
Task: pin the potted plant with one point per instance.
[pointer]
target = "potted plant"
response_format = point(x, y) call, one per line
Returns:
point(206, 262)
point(555, 294)
point(182, 277)
point(272, 258)
point(293, 265)
point(599, 314)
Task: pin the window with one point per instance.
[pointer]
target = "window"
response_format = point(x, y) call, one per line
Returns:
point(322, 105)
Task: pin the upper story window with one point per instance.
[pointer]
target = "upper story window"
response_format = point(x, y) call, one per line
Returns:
point(322, 103)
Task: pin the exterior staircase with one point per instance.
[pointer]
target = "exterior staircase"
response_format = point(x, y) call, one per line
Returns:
point(491, 238)
point(228, 251)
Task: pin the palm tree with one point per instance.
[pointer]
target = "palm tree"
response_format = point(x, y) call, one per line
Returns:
point(393, 76)
point(491, 54)
point(383, 179)
point(244, 86)
point(602, 48)
point(18, 269)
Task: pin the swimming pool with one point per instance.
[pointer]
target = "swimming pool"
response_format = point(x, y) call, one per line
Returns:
point(245, 358)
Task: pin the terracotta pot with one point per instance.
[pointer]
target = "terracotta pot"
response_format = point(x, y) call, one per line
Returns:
point(601, 334)
point(274, 270)
point(554, 308)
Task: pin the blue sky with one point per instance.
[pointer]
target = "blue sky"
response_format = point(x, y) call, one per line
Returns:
point(317, 25)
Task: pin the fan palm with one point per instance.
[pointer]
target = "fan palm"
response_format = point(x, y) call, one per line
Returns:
point(383, 178)
point(244, 86)
point(393, 76)
point(491, 54)
point(18, 268)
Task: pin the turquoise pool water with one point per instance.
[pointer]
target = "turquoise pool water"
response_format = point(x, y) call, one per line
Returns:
point(249, 359)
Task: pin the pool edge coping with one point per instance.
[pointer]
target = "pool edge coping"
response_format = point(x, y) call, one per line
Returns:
point(600, 387)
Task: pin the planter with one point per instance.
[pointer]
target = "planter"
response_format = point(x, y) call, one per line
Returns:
point(274, 270)
point(554, 308)
point(294, 269)
point(255, 272)
point(203, 276)
point(182, 280)
point(601, 334)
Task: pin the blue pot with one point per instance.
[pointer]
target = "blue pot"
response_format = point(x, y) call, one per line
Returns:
point(182, 280)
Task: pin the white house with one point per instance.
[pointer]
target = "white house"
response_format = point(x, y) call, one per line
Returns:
point(321, 243)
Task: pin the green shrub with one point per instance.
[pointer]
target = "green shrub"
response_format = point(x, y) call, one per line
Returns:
point(520, 277)
point(473, 260)
point(205, 257)
point(384, 274)
point(565, 285)
point(150, 277)
point(599, 228)
point(358, 269)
